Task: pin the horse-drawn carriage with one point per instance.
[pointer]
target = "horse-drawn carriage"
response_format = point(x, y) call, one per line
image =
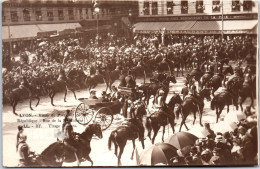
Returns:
point(102, 112)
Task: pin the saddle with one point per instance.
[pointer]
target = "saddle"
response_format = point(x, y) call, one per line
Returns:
point(129, 124)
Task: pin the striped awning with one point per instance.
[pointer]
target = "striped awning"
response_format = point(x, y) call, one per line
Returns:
point(198, 27)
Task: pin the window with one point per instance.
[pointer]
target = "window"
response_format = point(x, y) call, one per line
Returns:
point(184, 7)
point(26, 15)
point(50, 16)
point(60, 14)
point(247, 5)
point(38, 15)
point(71, 14)
point(80, 14)
point(87, 17)
point(14, 16)
point(199, 6)
point(216, 6)
point(169, 7)
point(3, 15)
point(235, 5)
point(146, 8)
point(154, 8)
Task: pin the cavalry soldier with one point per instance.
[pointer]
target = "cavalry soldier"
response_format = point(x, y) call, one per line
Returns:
point(122, 79)
point(70, 140)
point(130, 81)
point(62, 75)
point(194, 97)
point(159, 101)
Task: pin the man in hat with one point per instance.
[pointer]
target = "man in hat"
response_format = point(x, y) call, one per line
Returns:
point(104, 97)
point(92, 93)
point(23, 152)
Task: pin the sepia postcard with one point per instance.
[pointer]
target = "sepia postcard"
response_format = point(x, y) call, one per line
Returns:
point(110, 83)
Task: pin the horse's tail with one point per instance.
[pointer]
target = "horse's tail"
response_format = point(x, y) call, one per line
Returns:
point(111, 139)
point(148, 123)
point(213, 103)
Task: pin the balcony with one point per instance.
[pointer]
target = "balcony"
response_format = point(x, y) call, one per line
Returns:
point(71, 17)
point(14, 18)
point(61, 17)
point(50, 18)
point(27, 18)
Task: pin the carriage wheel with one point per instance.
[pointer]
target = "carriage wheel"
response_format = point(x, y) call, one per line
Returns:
point(83, 115)
point(104, 117)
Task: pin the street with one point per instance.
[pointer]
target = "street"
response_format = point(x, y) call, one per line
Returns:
point(46, 122)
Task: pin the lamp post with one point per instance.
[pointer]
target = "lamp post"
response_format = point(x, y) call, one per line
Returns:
point(222, 20)
point(96, 10)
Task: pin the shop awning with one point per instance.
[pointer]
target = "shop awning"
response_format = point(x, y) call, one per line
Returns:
point(174, 27)
point(26, 32)
point(199, 27)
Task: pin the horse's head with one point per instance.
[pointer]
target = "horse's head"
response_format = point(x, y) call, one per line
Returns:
point(176, 99)
point(229, 69)
point(96, 129)
point(171, 78)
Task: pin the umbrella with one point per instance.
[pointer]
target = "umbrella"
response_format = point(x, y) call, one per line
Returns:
point(224, 126)
point(234, 116)
point(198, 131)
point(159, 153)
point(181, 139)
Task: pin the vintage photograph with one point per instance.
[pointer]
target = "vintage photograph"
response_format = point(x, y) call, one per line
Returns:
point(129, 83)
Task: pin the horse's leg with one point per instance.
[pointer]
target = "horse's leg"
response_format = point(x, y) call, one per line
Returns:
point(201, 118)
point(217, 114)
point(30, 102)
point(227, 108)
point(163, 134)
point(194, 114)
point(121, 147)
point(89, 159)
point(66, 91)
point(155, 130)
point(74, 94)
point(116, 147)
point(52, 96)
point(133, 149)
point(14, 105)
point(184, 119)
point(241, 102)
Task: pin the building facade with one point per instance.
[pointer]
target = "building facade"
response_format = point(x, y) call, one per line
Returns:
point(198, 16)
point(196, 7)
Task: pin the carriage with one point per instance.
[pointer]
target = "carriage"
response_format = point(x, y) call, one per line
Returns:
point(95, 109)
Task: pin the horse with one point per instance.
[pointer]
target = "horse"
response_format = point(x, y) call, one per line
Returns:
point(110, 78)
point(188, 106)
point(152, 88)
point(216, 81)
point(132, 130)
point(62, 148)
point(162, 118)
point(59, 86)
point(17, 94)
point(139, 71)
point(247, 90)
point(221, 100)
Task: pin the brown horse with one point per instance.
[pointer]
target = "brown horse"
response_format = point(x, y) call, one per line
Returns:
point(18, 94)
point(162, 118)
point(188, 106)
point(130, 130)
point(247, 90)
point(59, 86)
point(225, 98)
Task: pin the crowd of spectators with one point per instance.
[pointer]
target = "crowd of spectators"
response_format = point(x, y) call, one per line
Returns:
point(238, 147)
point(111, 49)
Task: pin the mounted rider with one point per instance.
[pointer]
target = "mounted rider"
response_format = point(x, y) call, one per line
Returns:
point(62, 75)
point(130, 80)
point(193, 95)
point(71, 139)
